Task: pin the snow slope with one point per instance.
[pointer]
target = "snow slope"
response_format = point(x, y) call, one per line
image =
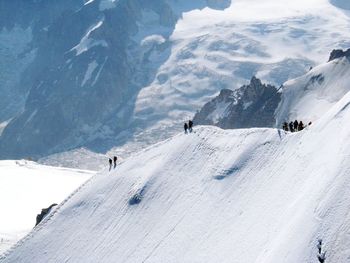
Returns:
point(308, 97)
point(254, 195)
point(26, 188)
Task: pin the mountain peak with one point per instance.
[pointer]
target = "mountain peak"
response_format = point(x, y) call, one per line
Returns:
point(339, 53)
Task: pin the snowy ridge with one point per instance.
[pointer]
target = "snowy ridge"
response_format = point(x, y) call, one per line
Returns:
point(46, 218)
point(310, 96)
point(254, 195)
point(58, 207)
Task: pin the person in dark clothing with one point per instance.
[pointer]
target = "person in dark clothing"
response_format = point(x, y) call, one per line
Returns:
point(190, 125)
point(285, 126)
point(295, 125)
point(186, 127)
point(110, 163)
point(291, 126)
point(301, 126)
point(115, 161)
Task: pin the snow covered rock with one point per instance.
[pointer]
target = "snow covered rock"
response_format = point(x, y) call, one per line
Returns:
point(94, 74)
point(339, 53)
point(252, 105)
point(43, 214)
point(310, 96)
point(81, 90)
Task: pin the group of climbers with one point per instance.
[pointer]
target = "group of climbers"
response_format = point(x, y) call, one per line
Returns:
point(112, 161)
point(188, 127)
point(294, 126)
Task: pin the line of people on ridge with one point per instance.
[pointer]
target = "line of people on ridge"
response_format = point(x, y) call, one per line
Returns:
point(188, 127)
point(294, 126)
point(112, 161)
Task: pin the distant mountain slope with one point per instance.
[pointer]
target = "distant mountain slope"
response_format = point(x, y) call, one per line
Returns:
point(305, 98)
point(252, 105)
point(83, 86)
point(310, 96)
point(102, 74)
point(254, 195)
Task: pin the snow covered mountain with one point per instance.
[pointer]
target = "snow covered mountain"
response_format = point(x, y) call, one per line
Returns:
point(26, 188)
point(305, 98)
point(310, 96)
point(244, 195)
point(125, 73)
point(252, 105)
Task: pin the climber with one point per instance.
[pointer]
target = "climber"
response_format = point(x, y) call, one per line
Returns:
point(291, 126)
point(295, 125)
point(110, 163)
point(285, 126)
point(115, 161)
point(301, 126)
point(186, 127)
point(190, 125)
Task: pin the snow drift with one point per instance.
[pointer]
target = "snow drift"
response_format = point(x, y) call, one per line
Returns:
point(256, 195)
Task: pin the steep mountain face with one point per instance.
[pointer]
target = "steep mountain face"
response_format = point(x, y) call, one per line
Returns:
point(308, 97)
point(251, 105)
point(90, 60)
point(103, 73)
point(339, 53)
point(341, 3)
point(305, 98)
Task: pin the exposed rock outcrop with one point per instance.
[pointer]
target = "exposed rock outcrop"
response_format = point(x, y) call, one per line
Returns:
point(44, 212)
point(339, 53)
point(251, 105)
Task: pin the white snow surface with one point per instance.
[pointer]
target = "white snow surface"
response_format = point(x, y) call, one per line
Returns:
point(242, 196)
point(87, 42)
point(219, 112)
point(307, 98)
point(26, 188)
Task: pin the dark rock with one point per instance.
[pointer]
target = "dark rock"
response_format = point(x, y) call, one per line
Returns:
point(339, 53)
point(251, 105)
point(43, 213)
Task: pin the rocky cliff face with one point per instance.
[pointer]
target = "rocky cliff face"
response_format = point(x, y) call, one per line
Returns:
point(339, 53)
point(86, 62)
point(252, 105)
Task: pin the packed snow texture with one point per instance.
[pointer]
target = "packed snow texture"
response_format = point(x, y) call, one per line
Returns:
point(308, 97)
point(245, 195)
point(26, 188)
